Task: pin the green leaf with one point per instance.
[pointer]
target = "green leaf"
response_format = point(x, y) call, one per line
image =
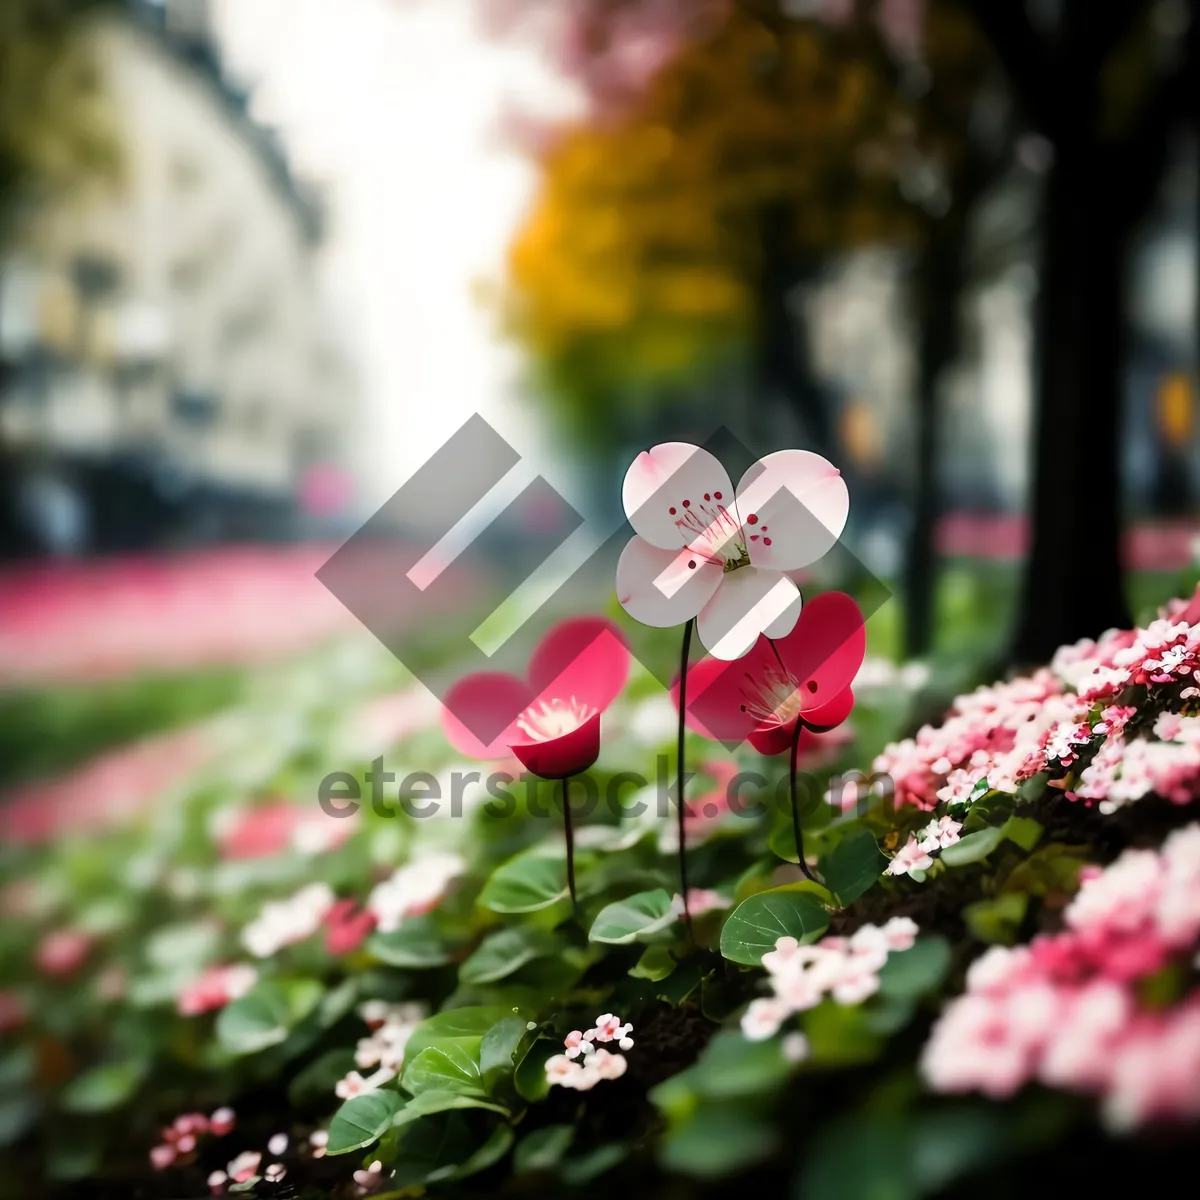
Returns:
point(103, 1088)
point(492, 1151)
point(584, 1168)
point(498, 1049)
point(859, 1160)
point(718, 1140)
point(973, 848)
point(997, 918)
point(438, 1101)
point(506, 951)
point(530, 1076)
point(853, 865)
point(18, 1114)
point(1024, 831)
point(362, 1120)
point(841, 1034)
point(465, 1025)
point(633, 919)
point(656, 963)
point(416, 945)
point(526, 883)
point(916, 971)
point(314, 1084)
point(543, 1149)
point(446, 1067)
point(730, 1067)
point(760, 921)
point(266, 1014)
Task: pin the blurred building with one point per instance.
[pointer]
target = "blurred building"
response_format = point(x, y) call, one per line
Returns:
point(169, 370)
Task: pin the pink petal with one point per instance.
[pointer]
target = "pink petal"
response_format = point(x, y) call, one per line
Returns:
point(584, 658)
point(658, 587)
point(481, 710)
point(793, 506)
point(825, 649)
point(715, 697)
point(564, 756)
point(833, 712)
point(672, 476)
point(778, 738)
point(748, 602)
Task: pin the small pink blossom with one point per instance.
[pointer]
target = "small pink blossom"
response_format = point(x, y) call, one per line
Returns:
point(244, 1166)
point(318, 1140)
point(162, 1156)
point(217, 987)
point(910, 857)
point(59, 955)
point(217, 1181)
point(222, 1121)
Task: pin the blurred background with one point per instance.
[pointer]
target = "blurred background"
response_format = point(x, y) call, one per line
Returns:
point(260, 258)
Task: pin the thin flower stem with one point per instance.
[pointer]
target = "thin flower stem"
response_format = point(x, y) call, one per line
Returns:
point(795, 805)
point(679, 759)
point(570, 832)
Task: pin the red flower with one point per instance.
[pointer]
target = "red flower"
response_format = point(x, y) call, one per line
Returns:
point(550, 720)
point(347, 927)
point(761, 696)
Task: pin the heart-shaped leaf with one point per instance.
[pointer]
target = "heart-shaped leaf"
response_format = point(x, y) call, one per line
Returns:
point(266, 1014)
point(761, 920)
point(465, 1025)
point(526, 883)
point(506, 951)
point(633, 919)
point(362, 1120)
point(415, 945)
point(446, 1067)
point(853, 865)
point(973, 848)
point(103, 1088)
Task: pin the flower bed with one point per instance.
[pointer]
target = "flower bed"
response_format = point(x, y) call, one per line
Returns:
point(984, 953)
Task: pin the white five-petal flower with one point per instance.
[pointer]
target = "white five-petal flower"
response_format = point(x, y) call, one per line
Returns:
point(705, 549)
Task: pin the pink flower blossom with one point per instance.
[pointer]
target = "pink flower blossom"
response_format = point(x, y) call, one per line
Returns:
point(162, 1157)
point(347, 927)
point(217, 987)
point(59, 955)
point(551, 720)
point(416, 888)
point(244, 1166)
point(912, 856)
point(702, 550)
point(1066, 1010)
point(222, 1121)
point(700, 901)
point(803, 675)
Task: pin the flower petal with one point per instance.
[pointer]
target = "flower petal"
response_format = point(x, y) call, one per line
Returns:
point(825, 649)
point(564, 756)
point(832, 712)
point(664, 483)
point(480, 713)
point(658, 587)
point(715, 699)
point(793, 506)
point(584, 658)
point(748, 602)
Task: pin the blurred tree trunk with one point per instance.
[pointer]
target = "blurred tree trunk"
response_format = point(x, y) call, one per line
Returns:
point(1109, 160)
point(785, 367)
point(1072, 585)
point(939, 287)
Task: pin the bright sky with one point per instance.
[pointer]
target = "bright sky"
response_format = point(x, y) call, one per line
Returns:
point(394, 105)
